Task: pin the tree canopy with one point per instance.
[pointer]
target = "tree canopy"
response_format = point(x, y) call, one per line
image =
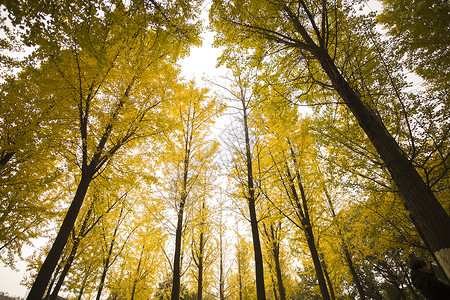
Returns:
point(313, 170)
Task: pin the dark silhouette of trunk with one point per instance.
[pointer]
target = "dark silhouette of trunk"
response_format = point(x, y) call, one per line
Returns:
point(327, 277)
point(179, 230)
point(107, 262)
point(251, 200)
point(199, 257)
point(271, 233)
point(52, 282)
point(429, 215)
point(302, 212)
point(316, 260)
point(347, 255)
point(274, 287)
point(177, 255)
point(138, 270)
point(200, 270)
point(88, 169)
point(72, 254)
point(49, 265)
point(221, 271)
point(83, 284)
point(239, 274)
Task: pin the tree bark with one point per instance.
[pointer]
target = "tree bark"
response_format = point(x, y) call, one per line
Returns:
point(72, 254)
point(251, 199)
point(45, 272)
point(179, 230)
point(428, 213)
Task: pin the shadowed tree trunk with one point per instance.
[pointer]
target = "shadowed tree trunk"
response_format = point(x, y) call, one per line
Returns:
point(428, 213)
point(347, 255)
point(72, 254)
point(251, 201)
point(300, 204)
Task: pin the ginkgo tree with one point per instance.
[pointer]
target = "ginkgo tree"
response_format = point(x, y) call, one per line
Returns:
point(188, 152)
point(320, 43)
point(90, 46)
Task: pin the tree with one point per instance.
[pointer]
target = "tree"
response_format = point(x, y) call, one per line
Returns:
point(244, 162)
point(89, 52)
point(313, 34)
point(188, 152)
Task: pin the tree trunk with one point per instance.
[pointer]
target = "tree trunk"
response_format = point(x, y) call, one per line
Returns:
point(64, 272)
point(133, 291)
point(327, 277)
point(177, 256)
point(317, 265)
point(221, 271)
point(348, 257)
point(200, 270)
point(428, 213)
point(108, 258)
point(45, 272)
point(260, 289)
point(72, 254)
point(302, 209)
point(52, 282)
point(278, 273)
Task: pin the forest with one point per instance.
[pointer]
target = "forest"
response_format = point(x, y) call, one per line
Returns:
point(316, 168)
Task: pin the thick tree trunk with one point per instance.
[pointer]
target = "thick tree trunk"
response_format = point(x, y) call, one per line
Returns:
point(428, 213)
point(64, 272)
point(45, 272)
point(260, 289)
point(72, 254)
point(347, 255)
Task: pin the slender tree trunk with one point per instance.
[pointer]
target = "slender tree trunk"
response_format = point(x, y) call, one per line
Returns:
point(327, 277)
point(133, 291)
point(200, 270)
point(221, 271)
point(64, 272)
point(177, 256)
point(45, 272)
point(239, 274)
point(179, 230)
point(317, 264)
point(301, 206)
point(347, 255)
point(278, 273)
point(83, 285)
point(251, 199)
point(274, 288)
point(108, 259)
